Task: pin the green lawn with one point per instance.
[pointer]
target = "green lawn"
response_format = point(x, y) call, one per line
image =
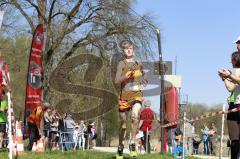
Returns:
point(80, 155)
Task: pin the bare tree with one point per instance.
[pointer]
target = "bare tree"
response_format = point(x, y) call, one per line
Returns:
point(80, 23)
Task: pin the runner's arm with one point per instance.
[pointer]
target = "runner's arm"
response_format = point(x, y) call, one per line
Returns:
point(119, 77)
point(140, 124)
point(229, 85)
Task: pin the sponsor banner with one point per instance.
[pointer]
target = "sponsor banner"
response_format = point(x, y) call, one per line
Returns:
point(35, 73)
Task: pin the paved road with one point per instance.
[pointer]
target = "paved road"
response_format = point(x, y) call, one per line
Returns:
point(210, 157)
point(126, 151)
point(110, 149)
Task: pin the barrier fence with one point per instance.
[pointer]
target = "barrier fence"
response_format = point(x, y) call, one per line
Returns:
point(62, 135)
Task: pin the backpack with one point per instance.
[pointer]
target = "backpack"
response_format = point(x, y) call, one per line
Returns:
point(61, 126)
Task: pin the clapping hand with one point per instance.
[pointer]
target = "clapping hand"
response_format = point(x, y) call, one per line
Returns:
point(224, 73)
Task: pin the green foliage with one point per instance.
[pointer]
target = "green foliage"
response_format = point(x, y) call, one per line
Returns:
point(194, 110)
point(15, 53)
point(84, 155)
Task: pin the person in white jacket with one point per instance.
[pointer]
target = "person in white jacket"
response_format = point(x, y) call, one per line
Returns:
point(76, 132)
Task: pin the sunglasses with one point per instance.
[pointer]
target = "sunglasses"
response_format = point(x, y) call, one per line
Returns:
point(238, 42)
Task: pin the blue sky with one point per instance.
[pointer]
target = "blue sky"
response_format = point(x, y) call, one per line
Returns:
point(200, 33)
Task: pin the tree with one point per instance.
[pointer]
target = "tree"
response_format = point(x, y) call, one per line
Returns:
point(15, 52)
point(72, 24)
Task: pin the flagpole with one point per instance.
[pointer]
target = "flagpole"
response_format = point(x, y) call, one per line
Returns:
point(1, 18)
point(10, 109)
point(11, 144)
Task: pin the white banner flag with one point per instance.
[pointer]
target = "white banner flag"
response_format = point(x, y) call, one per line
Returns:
point(1, 18)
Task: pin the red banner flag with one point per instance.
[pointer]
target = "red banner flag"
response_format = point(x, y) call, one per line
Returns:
point(35, 73)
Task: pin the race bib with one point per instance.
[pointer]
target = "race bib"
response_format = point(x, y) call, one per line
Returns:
point(133, 86)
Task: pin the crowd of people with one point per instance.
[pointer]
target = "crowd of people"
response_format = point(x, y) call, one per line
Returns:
point(208, 138)
point(59, 131)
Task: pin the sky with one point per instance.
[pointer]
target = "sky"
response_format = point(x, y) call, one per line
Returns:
point(200, 33)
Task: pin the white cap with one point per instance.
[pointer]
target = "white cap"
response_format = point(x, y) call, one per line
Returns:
point(147, 103)
point(238, 39)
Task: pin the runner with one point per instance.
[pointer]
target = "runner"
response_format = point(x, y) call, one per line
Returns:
point(145, 124)
point(130, 76)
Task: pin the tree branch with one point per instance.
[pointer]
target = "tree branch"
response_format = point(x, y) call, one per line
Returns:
point(88, 40)
point(30, 22)
point(58, 13)
point(71, 14)
point(75, 9)
point(86, 19)
point(51, 12)
point(40, 13)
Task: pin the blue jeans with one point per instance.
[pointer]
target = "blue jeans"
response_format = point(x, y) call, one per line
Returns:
point(206, 148)
point(69, 139)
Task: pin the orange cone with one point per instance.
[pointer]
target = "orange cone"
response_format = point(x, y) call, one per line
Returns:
point(34, 148)
point(40, 145)
point(19, 137)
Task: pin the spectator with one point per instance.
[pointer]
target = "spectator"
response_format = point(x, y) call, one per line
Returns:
point(191, 139)
point(145, 125)
point(231, 82)
point(89, 134)
point(47, 121)
point(178, 136)
point(196, 143)
point(94, 133)
point(69, 124)
point(212, 139)
point(35, 125)
point(3, 116)
point(205, 138)
point(61, 130)
point(82, 130)
point(76, 132)
point(54, 129)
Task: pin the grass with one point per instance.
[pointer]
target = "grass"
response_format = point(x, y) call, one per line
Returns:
point(90, 154)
